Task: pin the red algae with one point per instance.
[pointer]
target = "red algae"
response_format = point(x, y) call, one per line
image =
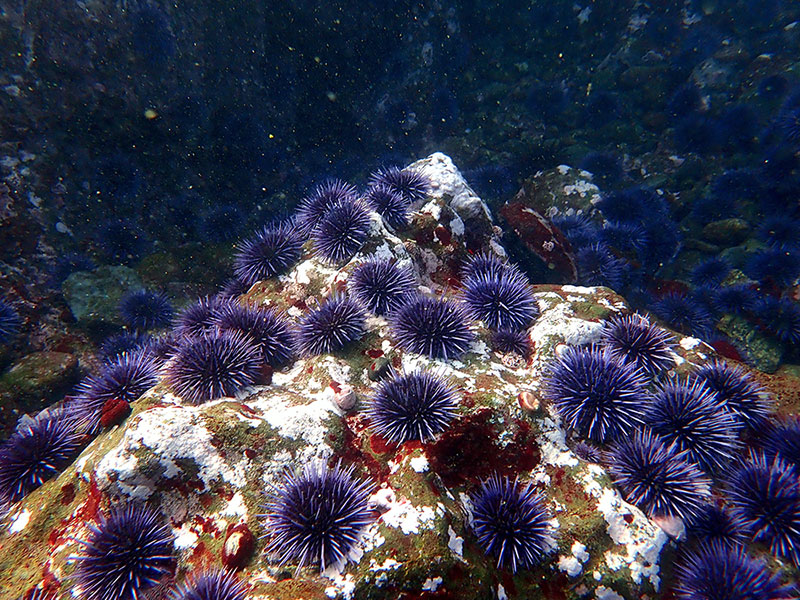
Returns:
point(114, 412)
point(443, 235)
point(88, 511)
point(726, 349)
point(469, 451)
point(352, 449)
point(238, 547)
point(67, 493)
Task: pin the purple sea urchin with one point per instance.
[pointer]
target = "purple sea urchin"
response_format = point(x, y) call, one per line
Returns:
point(342, 231)
point(126, 341)
point(657, 477)
point(689, 414)
point(145, 310)
point(509, 341)
point(412, 406)
point(511, 522)
point(315, 206)
point(269, 329)
point(390, 204)
point(597, 265)
point(270, 252)
point(380, 286)
point(736, 299)
point(741, 395)
point(634, 339)
point(317, 515)
point(10, 321)
point(713, 523)
point(435, 328)
point(715, 571)
point(500, 301)
point(215, 584)
point(37, 451)
point(596, 395)
point(200, 318)
point(778, 264)
point(780, 317)
point(213, 366)
point(337, 322)
point(710, 272)
point(765, 494)
point(124, 379)
point(488, 264)
point(783, 439)
point(683, 313)
point(127, 553)
point(412, 184)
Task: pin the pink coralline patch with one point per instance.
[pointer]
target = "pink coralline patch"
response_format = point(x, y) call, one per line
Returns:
point(238, 547)
point(540, 236)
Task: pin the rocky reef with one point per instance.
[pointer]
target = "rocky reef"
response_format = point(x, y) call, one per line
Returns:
point(209, 468)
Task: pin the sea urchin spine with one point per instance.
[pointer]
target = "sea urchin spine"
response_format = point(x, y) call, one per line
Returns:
point(511, 522)
point(412, 406)
point(316, 515)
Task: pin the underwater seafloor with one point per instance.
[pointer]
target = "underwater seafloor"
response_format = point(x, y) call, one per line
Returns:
point(435, 300)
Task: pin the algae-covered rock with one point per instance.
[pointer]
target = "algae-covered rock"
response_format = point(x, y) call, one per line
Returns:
point(95, 295)
point(727, 232)
point(210, 467)
point(34, 382)
point(761, 351)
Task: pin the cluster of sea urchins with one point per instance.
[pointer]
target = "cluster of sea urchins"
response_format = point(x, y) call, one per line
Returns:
point(678, 449)
point(218, 345)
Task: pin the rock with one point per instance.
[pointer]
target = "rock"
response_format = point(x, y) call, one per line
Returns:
point(34, 382)
point(761, 351)
point(95, 295)
point(208, 466)
point(562, 191)
point(727, 232)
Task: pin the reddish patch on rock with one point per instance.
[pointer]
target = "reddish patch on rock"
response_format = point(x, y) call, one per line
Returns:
point(196, 484)
point(238, 546)
point(423, 236)
point(443, 235)
point(334, 385)
point(250, 453)
point(87, 511)
point(67, 493)
point(374, 352)
point(200, 557)
point(114, 412)
point(265, 376)
point(379, 445)
point(206, 525)
point(628, 518)
point(469, 450)
point(352, 451)
point(553, 586)
point(726, 349)
point(540, 236)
